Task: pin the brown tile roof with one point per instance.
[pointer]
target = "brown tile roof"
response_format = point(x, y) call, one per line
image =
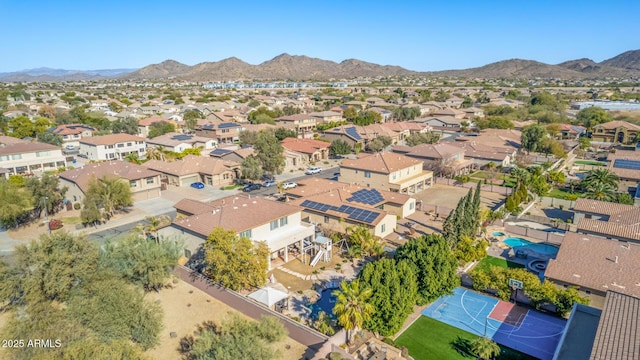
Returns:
point(618, 335)
point(305, 146)
point(430, 151)
point(245, 152)
point(616, 124)
point(150, 120)
point(597, 263)
point(110, 139)
point(476, 150)
point(629, 174)
point(383, 162)
point(236, 212)
point(406, 125)
point(604, 207)
point(122, 169)
point(315, 186)
point(72, 129)
point(10, 145)
point(337, 198)
point(192, 164)
point(623, 222)
point(295, 117)
point(192, 207)
point(173, 139)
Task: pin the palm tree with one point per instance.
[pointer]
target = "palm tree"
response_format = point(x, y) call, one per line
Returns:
point(155, 153)
point(485, 348)
point(133, 158)
point(154, 224)
point(352, 308)
point(600, 191)
point(372, 245)
point(521, 175)
point(601, 176)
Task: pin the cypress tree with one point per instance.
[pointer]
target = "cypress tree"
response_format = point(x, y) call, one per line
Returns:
point(476, 209)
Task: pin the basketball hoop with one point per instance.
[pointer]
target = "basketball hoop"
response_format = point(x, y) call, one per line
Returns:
point(514, 287)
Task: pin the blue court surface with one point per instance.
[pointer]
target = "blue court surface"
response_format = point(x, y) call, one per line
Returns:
point(529, 331)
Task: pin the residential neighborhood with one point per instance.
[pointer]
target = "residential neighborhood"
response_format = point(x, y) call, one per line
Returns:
point(379, 217)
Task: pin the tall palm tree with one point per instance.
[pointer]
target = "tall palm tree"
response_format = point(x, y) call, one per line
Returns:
point(154, 224)
point(600, 191)
point(521, 175)
point(352, 308)
point(601, 176)
point(372, 245)
point(485, 348)
point(155, 153)
point(133, 158)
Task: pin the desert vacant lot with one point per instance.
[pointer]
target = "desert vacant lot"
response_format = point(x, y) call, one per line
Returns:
point(184, 308)
point(448, 196)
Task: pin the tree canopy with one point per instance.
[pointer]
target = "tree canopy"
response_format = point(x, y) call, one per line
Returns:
point(270, 152)
point(532, 137)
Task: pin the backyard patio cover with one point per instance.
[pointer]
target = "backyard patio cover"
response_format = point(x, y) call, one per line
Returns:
point(268, 296)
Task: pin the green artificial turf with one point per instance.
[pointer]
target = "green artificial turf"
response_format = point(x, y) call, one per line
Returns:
point(486, 263)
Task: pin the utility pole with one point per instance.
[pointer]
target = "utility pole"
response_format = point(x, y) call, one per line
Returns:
point(46, 213)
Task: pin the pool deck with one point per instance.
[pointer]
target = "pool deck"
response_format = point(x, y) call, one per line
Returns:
point(499, 249)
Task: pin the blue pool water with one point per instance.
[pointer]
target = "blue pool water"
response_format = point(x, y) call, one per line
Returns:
point(497, 233)
point(325, 303)
point(544, 249)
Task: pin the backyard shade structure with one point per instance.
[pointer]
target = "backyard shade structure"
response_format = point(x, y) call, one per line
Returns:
point(268, 296)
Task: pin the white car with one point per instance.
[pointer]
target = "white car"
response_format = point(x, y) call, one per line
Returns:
point(69, 147)
point(313, 170)
point(289, 185)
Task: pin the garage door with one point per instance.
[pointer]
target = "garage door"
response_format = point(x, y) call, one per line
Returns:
point(188, 180)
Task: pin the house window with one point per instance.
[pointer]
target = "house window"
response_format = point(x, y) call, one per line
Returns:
point(150, 180)
point(133, 183)
point(187, 253)
point(42, 153)
point(120, 145)
point(128, 144)
point(273, 225)
point(283, 221)
point(588, 292)
point(246, 234)
point(109, 146)
point(367, 174)
point(16, 157)
point(411, 205)
point(326, 219)
point(383, 227)
point(4, 158)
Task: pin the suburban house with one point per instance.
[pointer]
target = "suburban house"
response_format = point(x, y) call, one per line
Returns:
point(571, 132)
point(348, 133)
point(449, 112)
point(311, 150)
point(617, 132)
point(21, 157)
point(112, 147)
point(483, 154)
point(336, 205)
point(145, 183)
point(386, 171)
point(443, 122)
point(279, 224)
point(607, 219)
point(443, 159)
point(625, 164)
point(72, 133)
point(406, 128)
point(472, 113)
point(221, 132)
point(327, 116)
point(144, 125)
point(596, 265)
point(207, 170)
point(179, 142)
point(302, 123)
point(237, 154)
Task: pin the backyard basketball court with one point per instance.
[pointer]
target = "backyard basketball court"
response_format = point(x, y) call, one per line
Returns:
point(519, 328)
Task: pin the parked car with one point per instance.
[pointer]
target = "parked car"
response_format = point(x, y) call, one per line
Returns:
point(266, 177)
point(197, 185)
point(313, 170)
point(269, 183)
point(289, 185)
point(251, 187)
point(69, 147)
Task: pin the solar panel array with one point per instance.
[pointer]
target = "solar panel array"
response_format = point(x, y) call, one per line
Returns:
point(227, 125)
point(626, 164)
point(351, 131)
point(366, 216)
point(182, 137)
point(365, 196)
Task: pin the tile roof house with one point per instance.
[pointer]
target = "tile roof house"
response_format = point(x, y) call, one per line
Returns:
point(625, 164)
point(144, 125)
point(618, 334)
point(444, 159)
point(208, 170)
point(310, 149)
point(387, 171)
point(112, 147)
point(72, 133)
point(442, 122)
point(222, 132)
point(348, 133)
point(21, 157)
point(145, 183)
point(302, 123)
point(327, 116)
point(617, 132)
point(236, 155)
point(449, 112)
point(279, 224)
point(596, 265)
point(177, 142)
point(607, 219)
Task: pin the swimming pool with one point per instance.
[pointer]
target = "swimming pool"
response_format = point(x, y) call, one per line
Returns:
point(543, 249)
point(326, 303)
point(497, 233)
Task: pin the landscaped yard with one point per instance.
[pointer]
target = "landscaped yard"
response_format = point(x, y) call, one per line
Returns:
point(486, 263)
point(562, 194)
point(589, 162)
point(509, 181)
point(430, 339)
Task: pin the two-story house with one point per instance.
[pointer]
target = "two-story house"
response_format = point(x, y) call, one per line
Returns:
point(618, 132)
point(144, 125)
point(310, 150)
point(278, 224)
point(302, 123)
point(72, 133)
point(144, 183)
point(386, 171)
point(20, 157)
point(112, 147)
point(327, 116)
point(223, 133)
point(208, 170)
point(443, 159)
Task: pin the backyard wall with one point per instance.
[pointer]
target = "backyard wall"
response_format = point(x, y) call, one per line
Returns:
point(502, 190)
point(550, 237)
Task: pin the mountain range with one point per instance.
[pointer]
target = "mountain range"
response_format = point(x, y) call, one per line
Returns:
point(300, 67)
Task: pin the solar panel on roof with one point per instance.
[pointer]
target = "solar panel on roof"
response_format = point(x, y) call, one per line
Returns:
point(351, 131)
point(181, 137)
point(626, 164)
point(227, 125)
point(365, 196)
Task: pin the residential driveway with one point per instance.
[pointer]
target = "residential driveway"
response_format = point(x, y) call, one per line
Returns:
point(208, 193)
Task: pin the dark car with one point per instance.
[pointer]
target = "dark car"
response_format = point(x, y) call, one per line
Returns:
point(197, 185)
point(251, 187)
point(266, 177)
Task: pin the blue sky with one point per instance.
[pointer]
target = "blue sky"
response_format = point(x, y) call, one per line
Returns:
point(418, 35)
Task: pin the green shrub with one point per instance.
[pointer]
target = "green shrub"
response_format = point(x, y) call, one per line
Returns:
point(77, 206)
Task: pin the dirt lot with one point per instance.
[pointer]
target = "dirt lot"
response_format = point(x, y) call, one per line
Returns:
point(184, 308)
point(448, 196)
